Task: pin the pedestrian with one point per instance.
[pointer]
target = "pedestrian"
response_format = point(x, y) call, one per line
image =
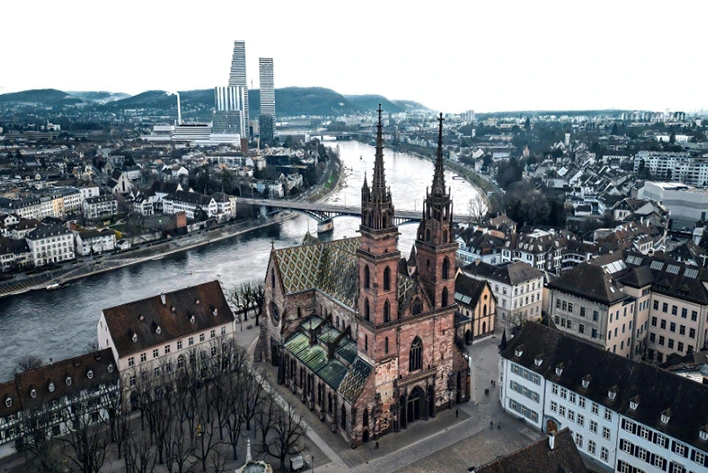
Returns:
point(457, 413)
point(499, 425)
point(491, 424)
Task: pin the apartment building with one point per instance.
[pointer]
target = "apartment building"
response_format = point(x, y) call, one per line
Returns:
point(51, 244)
point(150, 338)
point(517, 289)
point(624, 415)
point(100, 206)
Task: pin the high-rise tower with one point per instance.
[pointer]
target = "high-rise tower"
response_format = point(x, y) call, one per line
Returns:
point(378, 256)
point(237, 77)
point(435, 244)
point(266, 120)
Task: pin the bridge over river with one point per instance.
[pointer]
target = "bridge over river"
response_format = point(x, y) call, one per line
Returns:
point(325, 213)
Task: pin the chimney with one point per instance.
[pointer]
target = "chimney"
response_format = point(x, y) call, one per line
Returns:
point(551, 440)
point(163, 299)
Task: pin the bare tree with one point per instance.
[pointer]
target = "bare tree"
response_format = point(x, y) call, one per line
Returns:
point(253, 395)
point(37, 443)
point(140, 454)
point(28, 363)
point(286, 434)
point(208, 427)
point(258, 291)
point(477, 209)
point(86, 443)
point(178, 448)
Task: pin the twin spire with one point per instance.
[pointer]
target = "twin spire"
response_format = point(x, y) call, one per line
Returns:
point(439, 176)
point(378, 183)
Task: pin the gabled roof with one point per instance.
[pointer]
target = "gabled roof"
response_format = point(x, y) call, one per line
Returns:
point(65, 377)
point(205, 303)
point(591, 282)
point(468, 290)
point(658, 390)
point(511, 273)
point(330, 267)
point(540, 458)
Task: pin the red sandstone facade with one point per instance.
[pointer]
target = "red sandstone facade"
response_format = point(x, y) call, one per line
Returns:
point(406, 366)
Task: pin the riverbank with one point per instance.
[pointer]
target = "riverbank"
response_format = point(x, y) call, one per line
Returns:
point(331, 183)
point(487, 190)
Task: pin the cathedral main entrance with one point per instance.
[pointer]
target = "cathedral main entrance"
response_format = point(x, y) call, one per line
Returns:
point(416, 405)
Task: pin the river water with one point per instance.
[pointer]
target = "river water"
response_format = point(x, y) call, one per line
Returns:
point(61, 324)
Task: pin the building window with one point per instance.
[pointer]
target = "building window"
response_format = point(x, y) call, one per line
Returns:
point(415, 361)
point(143, 357)
point(692, 333)
point(167, 349)
point(387, 279)
point(684, 313)
point(593, 426)
point(444, 297)
point(581, 420)
point(674, 310)
point(131, 361)
point(672, 327)
point(387, 311)
point(179, 345)
point(579, 440)
point(581, 402)
point(155, 353)
point(223, 330)
point(366, 342)
point(386, 345)
point(653, 321)
point(201, 337)
point(212, 334)
point(554, 406)
point(591, 447)
point(367, 277)
point(595, 316)
point(446, 269)
point(604, 454)
point(132, 381)
point(606, 433)
point(191, 341)
point(694, 315)
point(665, 307)
point(676, 468)
point(367, 312)
point(608, 414)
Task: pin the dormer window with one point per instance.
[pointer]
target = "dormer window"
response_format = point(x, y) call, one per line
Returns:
point(173, 308)
point(538, 361)
point(110, 368)
point(33, 393)
point(141, 317)
point(197, 302)
point(634, 403)
point(215, 312)
point(89, 374)
point(8, 402)
point(703, 434)
point(519, 351)
point(134, 338)
point(612, 393)
point(192, 319)
point(68, 380)
point(559, 369)
point(51, 387)
point(665, 416)
point(158, 330)
point(586, 381)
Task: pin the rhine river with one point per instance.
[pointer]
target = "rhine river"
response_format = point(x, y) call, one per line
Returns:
point(61, 324)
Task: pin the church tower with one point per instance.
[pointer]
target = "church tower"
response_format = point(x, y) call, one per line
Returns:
point(435, 244)
point(378, 259)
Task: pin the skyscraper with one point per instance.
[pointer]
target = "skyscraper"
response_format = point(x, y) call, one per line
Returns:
point(237, 77)
point(229, 111)
point(266, 120)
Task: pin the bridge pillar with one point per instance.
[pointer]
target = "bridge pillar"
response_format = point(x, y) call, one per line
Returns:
point(263, 210)
point(326, 226)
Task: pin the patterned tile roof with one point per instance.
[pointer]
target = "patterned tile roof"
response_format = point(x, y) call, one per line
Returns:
point(353, 382)
point(330, 267)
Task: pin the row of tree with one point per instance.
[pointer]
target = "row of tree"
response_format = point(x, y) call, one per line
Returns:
point(248, 298)
point(196, 413)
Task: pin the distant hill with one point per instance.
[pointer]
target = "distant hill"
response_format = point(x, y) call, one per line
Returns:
point(98, 96)
point(42, 97)
point(410, 105)
point(371, 103)
point(198, 104)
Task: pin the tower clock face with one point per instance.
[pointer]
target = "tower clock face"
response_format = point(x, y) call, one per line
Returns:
point(275, 314)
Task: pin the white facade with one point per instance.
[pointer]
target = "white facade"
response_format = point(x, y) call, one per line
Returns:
point(95, 243)
point(90, 191)
point(51, 245)
point(686, 204)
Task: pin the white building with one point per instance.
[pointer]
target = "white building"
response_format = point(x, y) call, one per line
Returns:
point(686, 204)
point(624, 415)
point(165, 332)
point(29, 207)
point(95, 242)
point(89, 190)
point(51, 244)
point(101, 206)
point(517, 288)
point(673, 166)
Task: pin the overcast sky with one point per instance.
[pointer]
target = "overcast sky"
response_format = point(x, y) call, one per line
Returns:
point(449, 55)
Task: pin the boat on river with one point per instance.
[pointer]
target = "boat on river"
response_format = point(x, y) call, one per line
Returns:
point(54, 287)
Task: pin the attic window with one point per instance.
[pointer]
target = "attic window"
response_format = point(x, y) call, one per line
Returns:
point(703, 434)
point(519, 351)
point(110, 368)
point(33, 393)
point(51, 387)
point(135, 337)
point(89, 374)
point(68, 380)
point(192, 319)
point(8, 402)
point(215, 312)
point(538, 361)
point(559, 369)
point(634, 403)
point(141, 317)
point(173, 308)
point(586, 381)
point(612, 393)
point(197, 302)
point(665, 416)
point(158, 330)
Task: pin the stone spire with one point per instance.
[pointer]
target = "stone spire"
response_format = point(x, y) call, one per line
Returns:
point(439, 176)
point(379, 192)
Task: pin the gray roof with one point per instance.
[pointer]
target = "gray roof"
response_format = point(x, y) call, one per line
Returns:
point(47, 231)
point(655, 389)
point(511, 273)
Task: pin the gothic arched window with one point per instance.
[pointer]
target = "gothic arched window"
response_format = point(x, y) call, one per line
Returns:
point(484, 310)
point(387, 279)
point(427, 235)
point(366, 309)
point(415, 359)
point(444, 297)
point(344, 418)
point(417, 306)
point(365, 418)
point(329, 403)
point(366, 277)
point(445, 236)
point(366, 343)
point(387, 311)
point(386, 346)
point(446, 268)
point(272, 279)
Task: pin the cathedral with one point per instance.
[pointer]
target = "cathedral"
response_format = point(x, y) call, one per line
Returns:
point(364, 337)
